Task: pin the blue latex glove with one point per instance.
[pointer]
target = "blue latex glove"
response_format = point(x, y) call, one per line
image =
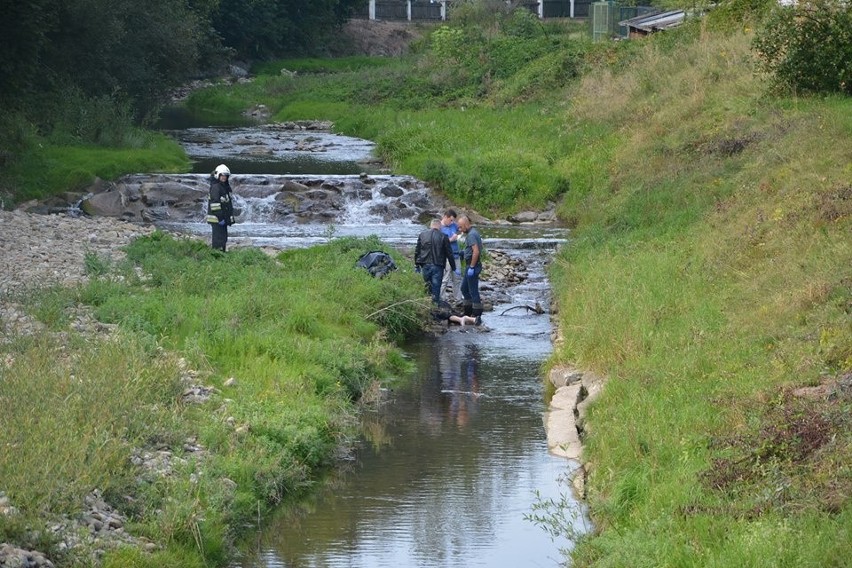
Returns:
point(458, 271)
point(222, 222)
point(470, 272)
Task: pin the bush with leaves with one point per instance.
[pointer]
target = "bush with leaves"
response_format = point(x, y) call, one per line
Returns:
point(807, 48)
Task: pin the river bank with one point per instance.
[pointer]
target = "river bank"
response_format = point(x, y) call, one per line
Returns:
point(81, 253)
point(116, 347)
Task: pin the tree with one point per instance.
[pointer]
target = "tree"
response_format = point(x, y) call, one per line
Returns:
point(260, 29)
point(808, 47)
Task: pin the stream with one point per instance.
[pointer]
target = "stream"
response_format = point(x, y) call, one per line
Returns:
point(452, 460)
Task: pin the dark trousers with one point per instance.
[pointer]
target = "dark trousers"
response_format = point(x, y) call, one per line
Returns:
point(220, 236)
point(470, 293)
point(432, 275)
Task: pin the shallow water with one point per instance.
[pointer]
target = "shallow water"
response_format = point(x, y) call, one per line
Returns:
point(451, 464)
point(449, 467)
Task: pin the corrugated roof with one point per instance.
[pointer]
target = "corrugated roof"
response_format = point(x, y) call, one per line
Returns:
point(653, 22)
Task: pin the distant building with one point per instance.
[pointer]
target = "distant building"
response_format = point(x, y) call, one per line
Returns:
point(641, 26)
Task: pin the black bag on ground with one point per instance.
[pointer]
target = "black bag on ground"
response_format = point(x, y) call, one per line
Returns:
point(377, 263)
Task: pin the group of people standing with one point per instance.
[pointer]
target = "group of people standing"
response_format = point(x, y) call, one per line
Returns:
point(450, 252)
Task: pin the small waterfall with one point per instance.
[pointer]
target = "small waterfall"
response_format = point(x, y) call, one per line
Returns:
point(254, 209)
point(361, 208)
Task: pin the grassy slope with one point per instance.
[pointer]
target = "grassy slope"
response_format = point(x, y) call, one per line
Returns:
point(47, 168)
point(709, 276)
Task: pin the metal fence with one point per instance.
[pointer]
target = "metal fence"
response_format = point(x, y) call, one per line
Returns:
point(562, 8)
point(421, 10)
point(606, 15)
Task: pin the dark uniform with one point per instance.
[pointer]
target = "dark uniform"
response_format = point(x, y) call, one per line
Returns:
point(220, 212)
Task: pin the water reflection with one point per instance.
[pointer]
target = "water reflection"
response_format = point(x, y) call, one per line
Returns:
point(459, 385)
point(448, 469)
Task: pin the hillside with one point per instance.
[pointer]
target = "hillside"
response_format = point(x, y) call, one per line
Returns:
point(711, 281)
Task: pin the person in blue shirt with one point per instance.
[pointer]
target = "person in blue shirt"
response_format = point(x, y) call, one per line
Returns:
point(451, 229)
point(473, 250)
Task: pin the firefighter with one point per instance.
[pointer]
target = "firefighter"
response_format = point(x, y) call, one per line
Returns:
point(220, 207)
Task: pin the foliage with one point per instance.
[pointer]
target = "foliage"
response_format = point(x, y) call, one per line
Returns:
point(807, 48)
point(58, 455)
point(268, 28)
point(310, 65)
point(732, 16)
point(704, 280)
point(47, 169)
point(89, 72)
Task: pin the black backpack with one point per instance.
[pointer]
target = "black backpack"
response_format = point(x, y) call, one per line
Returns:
point(377, 263)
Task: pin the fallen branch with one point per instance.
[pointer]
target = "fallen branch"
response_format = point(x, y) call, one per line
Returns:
point(537, 309)
point(386, 308)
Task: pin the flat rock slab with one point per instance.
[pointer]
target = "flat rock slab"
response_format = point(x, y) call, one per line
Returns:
point(562, 436)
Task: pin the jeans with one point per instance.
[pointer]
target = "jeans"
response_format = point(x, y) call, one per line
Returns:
point(450, 277)
point(470, 285)
point(432, 274)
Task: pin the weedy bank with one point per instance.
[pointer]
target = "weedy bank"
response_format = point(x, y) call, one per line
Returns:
point(708, 277)
point(238, 372)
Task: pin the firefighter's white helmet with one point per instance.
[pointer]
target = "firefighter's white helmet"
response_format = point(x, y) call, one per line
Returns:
point(221, 170)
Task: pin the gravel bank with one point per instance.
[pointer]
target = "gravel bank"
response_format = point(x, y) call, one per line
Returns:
point(38, 250)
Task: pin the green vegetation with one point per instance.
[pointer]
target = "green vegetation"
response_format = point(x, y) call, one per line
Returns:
point(808, 47)
point(708, 279)
point(81, 75)
point(188, 316)
point(50, 169)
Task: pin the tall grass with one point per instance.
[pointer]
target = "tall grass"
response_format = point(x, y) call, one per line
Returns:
point(50, 168)
point(708, 277)
point(436, 119)
point(298, 333)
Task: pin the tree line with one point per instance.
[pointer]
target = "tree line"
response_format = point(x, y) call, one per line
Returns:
point(60, 58)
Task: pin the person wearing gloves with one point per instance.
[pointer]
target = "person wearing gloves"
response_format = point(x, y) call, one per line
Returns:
point(473, 250)
point(431, 253)
point(220, 207)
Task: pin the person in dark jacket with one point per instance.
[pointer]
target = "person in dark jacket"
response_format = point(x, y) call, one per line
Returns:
point(431, 254)
point(220, 207)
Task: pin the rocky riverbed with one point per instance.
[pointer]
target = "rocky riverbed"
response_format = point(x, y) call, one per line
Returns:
point(52, 249)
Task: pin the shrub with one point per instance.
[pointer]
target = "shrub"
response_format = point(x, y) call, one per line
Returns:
point(807, 48)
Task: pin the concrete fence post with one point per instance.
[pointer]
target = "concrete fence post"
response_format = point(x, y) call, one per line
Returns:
point(372, 10)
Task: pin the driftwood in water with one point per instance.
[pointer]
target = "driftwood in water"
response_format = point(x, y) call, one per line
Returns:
point(537, 309)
